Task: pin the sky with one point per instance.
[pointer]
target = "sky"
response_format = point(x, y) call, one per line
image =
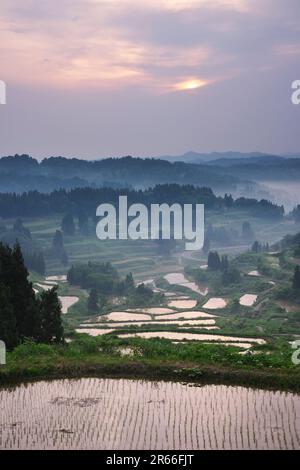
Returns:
point(99, 78)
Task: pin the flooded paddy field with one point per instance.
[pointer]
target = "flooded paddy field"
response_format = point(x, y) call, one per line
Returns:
point(248, 300)
point(154, 323)
point(174, 335)
point(183, 303)
point(215, 303)
point(67, 302)
point(181, 280)
point(126, 414)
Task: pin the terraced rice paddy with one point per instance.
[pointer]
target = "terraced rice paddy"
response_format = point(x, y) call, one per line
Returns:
point(186, 315)
point(156, 323)
point(254, 274)
point(153, 310)
point(61, 278)
point(67, 302)
point(183, 303)
point(215, 303)
point(179, 336)
point(248, 300)
point(44, 286)
point(180, 279)
point(127, 414)
point(94, 331)
point(125, 316)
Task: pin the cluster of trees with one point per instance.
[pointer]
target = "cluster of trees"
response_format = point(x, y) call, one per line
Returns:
point(93, 275)
point(217, 263)
point(247, 231)
point(289, 241)
point(218, 235)
point(140, 295)
point(58, 250)
point(230, 275)
point(35, 261)
point(33, 258)
point(68, 225)
point(258, 247)
point(296, 214)
point(17, 232)
point(85, 200)
point(262, 208)
point(19, 229)
point(22, 314)
point(103, 280)
point(100, 276)
point(296, 278)
point(95, 301)
point(297, 250)
point(225, 236)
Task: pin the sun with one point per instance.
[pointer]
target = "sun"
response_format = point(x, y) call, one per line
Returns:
point(190, 84)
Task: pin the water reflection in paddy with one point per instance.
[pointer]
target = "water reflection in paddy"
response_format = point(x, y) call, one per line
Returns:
point(215, 303)
point(192, 337)
point(183, 303)
point(248, 300)
point(125, 414)
point(156, 323)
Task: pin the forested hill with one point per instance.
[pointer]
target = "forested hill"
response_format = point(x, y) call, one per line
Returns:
point(33, 203)
point(21, 173)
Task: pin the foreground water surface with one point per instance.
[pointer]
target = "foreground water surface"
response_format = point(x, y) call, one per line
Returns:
point(135, 414)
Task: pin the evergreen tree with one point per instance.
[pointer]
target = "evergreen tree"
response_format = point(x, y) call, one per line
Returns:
point(65, 258)
point(35, 262)
point(41, 265)
point(297, 250)
point(231, 276)
point(206, 245)
point(296, 214)
point(83, 223)
point(224, 263)
point(67, 224)
point(23, 297)
point(8, 324)
point(228, 200)
point(50, 317)
point(3, 228)
point(19, 228)
point(296, 278)
point(21, 314)
point(129, 282)
point(256, 247)
point(213, 261)
point(14, 276)
point(210, 232)
point(58, 248)
point(247, 232)
point(58, 244)
point(93, 301)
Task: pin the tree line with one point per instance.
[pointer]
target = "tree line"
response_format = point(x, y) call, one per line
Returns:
point(83, 201)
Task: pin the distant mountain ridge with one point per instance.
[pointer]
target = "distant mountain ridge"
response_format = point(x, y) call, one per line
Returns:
point(231, 172)
point(21, 173)
point(196, 157)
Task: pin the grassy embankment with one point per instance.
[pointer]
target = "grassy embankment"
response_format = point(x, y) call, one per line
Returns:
point(107, 356)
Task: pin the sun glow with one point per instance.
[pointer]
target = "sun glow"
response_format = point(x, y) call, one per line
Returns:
point(190, 84)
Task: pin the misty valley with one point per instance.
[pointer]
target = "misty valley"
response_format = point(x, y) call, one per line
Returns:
point(94, 326)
